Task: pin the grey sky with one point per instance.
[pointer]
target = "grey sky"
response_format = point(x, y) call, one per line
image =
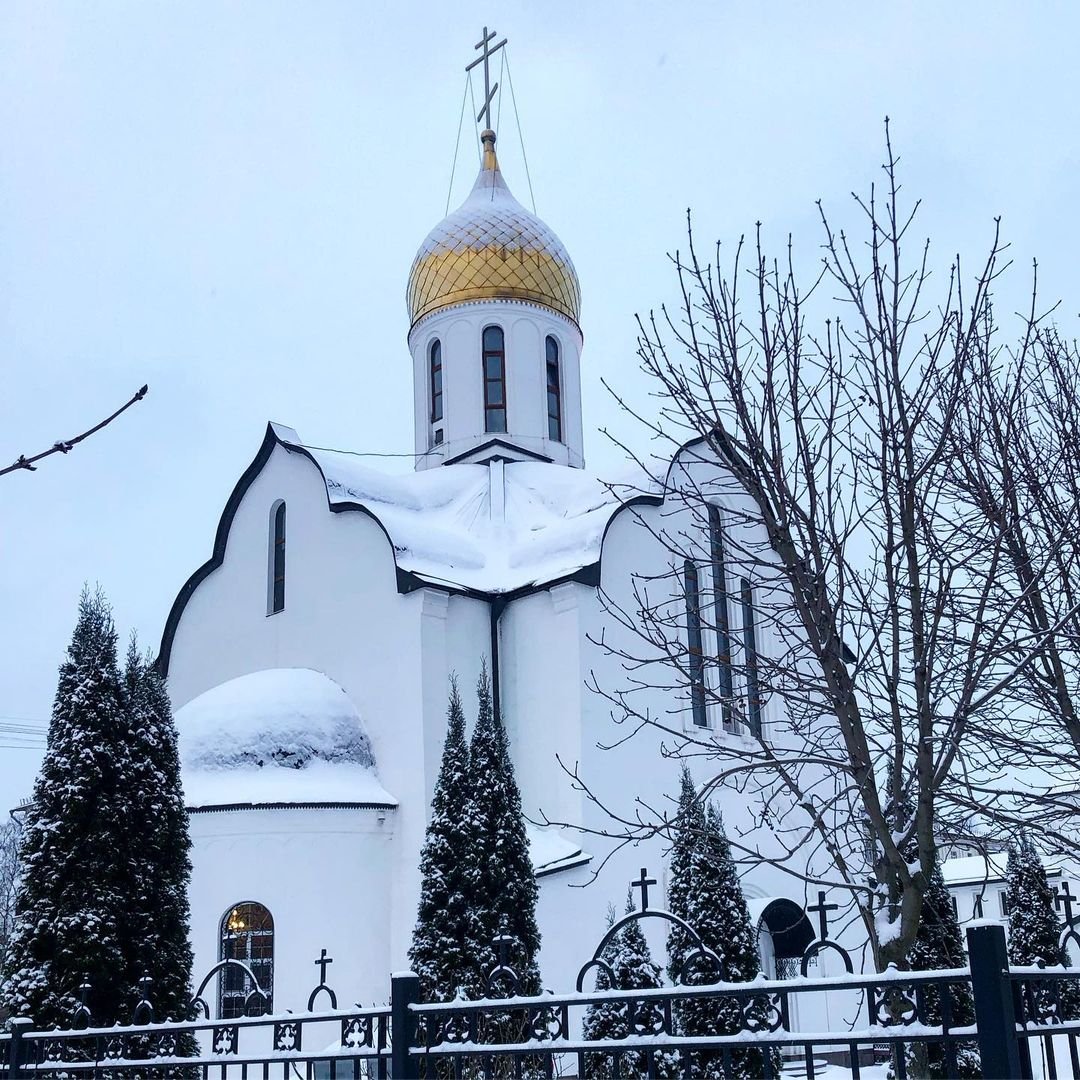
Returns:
point(223, 200)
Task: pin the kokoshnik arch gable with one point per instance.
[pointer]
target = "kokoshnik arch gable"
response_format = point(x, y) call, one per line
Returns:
point(309, 657)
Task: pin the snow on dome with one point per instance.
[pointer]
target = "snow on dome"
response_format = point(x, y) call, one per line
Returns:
point(280, 735)
point(492, 247)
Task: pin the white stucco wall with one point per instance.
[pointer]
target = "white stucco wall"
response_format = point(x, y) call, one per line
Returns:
point(322, 874)
point(525, 327)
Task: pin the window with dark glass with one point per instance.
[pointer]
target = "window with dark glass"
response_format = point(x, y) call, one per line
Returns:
point(277, 560)
point(753, 690)
point(435, 367)
point(247, 935)
point(554, 396)
point(695, 654)
point(494, 356)
point(722, 618)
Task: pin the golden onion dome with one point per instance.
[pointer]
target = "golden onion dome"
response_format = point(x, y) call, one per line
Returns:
point(491, 247)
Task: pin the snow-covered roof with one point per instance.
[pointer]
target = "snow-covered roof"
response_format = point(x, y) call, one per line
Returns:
point(443, 529)
point(550, 850)
point(285, 735)
point(977, 869)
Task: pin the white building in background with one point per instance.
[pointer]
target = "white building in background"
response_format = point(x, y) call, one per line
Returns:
point(309, 658)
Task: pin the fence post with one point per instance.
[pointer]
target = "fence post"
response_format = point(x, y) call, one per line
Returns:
point(16, 1049)
point(404, 991)
point(991, 987)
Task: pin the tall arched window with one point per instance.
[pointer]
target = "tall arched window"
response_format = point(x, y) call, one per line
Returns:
point(695, 651)
point(554, 395)
point(247, 935)
point(277, 558)
point(494, 356)
point(435, 369)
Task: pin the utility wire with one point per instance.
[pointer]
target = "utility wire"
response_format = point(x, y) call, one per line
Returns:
point(521, 135)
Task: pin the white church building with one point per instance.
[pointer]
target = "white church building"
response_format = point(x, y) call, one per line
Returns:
point(309, 657)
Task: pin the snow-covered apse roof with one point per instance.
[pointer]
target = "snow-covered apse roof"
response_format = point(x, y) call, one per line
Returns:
point(284, 735)
point(448, 526)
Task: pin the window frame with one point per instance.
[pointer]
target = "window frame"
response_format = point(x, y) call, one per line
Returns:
point(722, 620)
point(489, 405)
point(554, 389)
point(262, 967)
point(750, 659)
point(695, 648)
point(435, 372)
point(278, 537)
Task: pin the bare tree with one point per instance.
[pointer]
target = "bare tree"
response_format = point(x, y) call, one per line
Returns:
point(901, 678)
point(65, 446)
point(10, 834)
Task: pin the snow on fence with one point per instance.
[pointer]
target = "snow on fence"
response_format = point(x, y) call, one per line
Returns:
point(1023, 1022)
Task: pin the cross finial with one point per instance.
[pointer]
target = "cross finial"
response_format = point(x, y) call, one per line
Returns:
point(643, 884)
point(321, 965)
point(823, 910)
point(1064, 898)
point(485, 59)
point(503, 940)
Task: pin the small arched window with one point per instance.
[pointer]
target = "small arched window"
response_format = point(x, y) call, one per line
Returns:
point(247, 935)
point(277, 558)
point(554, 395)
point(435, 370)
point(494, 356)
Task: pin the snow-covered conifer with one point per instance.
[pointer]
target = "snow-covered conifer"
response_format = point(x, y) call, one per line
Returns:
point(706, 892)
point(939, 945)
point(157, 922)
point(440, 953)
point(502, 884)
point(73, 897)
point(633, 967)
point(1035, 928)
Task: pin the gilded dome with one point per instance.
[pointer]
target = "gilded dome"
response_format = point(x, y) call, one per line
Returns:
point(491, 247)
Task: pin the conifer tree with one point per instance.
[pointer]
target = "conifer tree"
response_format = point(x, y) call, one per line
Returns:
point(1034, 926)
point(633, 968)
point(501, 881)
point(440, 947)
point(74, 894)
point(706, 892)
point(158, 916)
point(939, 945)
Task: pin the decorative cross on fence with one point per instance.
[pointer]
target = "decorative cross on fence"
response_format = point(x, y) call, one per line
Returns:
point(823, 910)
point(485, 59)
point(322, 988)
point(1064, 899)
point(643, 884)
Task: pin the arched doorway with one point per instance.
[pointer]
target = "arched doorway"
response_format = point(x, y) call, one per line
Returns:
point(784, 932)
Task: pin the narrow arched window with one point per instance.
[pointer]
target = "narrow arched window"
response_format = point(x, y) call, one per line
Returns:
point(247, 935)
point(695, 658)
point(435, 369)
point(721, 617)
point(753, 689)
point(277, 559)
point(494, 379)
point(554, 395)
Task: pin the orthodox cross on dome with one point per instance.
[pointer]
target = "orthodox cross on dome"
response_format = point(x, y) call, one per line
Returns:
point(485, 59)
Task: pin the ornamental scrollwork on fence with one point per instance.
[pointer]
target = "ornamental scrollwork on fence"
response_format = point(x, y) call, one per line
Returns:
point(198, 1003)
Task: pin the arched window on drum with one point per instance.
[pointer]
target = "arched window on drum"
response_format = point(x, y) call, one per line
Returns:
point(247, 935)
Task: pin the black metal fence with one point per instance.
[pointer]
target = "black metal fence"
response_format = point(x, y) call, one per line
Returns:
point(1001, 1022)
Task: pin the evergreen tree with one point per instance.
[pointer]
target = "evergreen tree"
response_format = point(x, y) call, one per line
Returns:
point(440, 953)
point(1034, 927)
point(633, 967)
point(501, 880)
point(939, 945)
point(158, 916)
point(74, 896)
point(705, 891)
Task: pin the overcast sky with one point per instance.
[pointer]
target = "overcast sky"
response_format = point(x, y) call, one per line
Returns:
point(223, 200)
